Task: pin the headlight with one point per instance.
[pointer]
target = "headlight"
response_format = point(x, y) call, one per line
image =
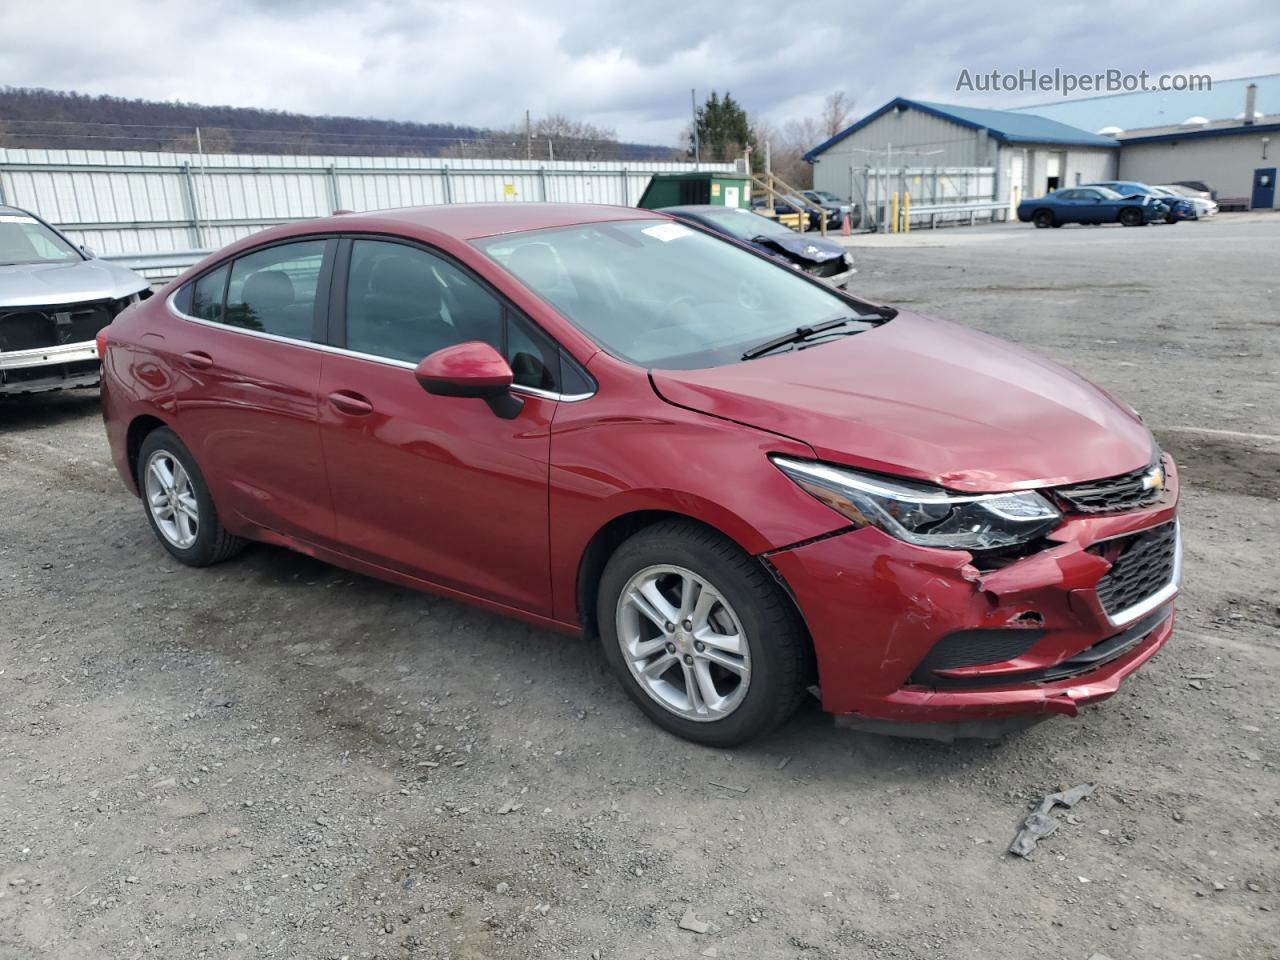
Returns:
point(923, 515)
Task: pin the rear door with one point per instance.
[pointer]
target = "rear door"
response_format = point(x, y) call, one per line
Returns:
point(246, 370)
point(441, 488)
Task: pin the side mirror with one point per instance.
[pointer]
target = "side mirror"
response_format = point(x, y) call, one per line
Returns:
point(471, 369)
point(88, 252)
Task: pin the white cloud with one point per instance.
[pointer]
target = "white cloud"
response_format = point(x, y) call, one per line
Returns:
point(617, 63)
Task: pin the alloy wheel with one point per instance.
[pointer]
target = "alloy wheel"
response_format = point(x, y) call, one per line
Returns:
point(172, 499)
point(683, 643)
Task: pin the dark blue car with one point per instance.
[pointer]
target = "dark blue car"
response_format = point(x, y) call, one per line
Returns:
point(1175, 209)
point(1090, 204)
point(815, 255)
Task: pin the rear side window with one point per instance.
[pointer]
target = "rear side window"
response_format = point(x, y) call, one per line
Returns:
point(274, 290)
point(206, 295)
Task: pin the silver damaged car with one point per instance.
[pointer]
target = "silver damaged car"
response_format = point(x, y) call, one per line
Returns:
point(54, 298)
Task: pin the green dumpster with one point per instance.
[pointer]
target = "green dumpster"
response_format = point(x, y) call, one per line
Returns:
point(682, 189)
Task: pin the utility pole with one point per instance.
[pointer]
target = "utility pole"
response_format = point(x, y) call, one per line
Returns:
point(528, 137)
point(697, 150)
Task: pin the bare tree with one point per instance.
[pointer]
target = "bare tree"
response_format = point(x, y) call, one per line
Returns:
point(835, 113)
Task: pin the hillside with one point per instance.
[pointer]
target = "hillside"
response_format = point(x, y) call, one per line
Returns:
point(68, 120)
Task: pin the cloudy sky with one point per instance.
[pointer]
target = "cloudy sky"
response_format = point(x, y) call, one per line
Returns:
point(625, 64)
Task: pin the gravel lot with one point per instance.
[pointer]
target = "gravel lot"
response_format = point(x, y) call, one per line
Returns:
point(276, 758)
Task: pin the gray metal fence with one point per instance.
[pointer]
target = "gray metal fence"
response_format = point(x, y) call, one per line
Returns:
point(127, 203)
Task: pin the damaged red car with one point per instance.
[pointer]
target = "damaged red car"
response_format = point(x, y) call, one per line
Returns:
point(748, 485)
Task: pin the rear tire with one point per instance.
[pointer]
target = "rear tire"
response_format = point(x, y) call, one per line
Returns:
point(1043, 219)
point(176, 499)
point(734, 636)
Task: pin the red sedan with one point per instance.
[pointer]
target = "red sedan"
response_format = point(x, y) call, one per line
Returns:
point(746, 483)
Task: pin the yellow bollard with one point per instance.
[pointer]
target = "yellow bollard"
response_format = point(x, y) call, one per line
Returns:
point(906, 211)
point(893, 212)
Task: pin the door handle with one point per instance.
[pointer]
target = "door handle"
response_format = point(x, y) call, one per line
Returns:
point(198, 359)
point(346, 401)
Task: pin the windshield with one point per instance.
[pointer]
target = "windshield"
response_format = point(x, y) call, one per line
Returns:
point(660, 294)
point(746, 225)
point(24, 239)
point(1107, 193)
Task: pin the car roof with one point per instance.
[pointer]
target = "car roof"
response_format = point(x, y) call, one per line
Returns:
point(469, 221)
point(702, 208)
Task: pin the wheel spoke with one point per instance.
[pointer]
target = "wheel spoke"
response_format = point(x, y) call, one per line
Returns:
point(642, 650)
point(732, 664)
point(692, 690)
point(706, 686)
point(659, 608)
point(701, 612)
point(163, 475)
point(690, 590)
point(186, 503)
point(728, 642)
point(658, 666)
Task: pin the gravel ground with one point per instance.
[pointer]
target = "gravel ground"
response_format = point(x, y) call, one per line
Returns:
point(276, 758)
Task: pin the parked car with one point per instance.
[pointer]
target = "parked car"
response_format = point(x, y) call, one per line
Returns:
point(815, 218)
point(1176, 208)
point(837, 207)
point(1092, 205)
point(54, 298)
point(745, 483)
point(1200, 187)
point(815, 255)
point(1205, 206)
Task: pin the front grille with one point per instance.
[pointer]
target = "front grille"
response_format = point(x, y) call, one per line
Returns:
point(1111, 495)
point(1141, 564)
point(828, 268)
point(29, 328)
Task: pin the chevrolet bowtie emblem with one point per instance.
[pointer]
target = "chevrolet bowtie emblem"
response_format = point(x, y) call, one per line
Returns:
point(1153, 479)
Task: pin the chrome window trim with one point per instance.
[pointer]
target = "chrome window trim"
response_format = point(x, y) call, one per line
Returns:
point(355, 354)
point(1163, 595)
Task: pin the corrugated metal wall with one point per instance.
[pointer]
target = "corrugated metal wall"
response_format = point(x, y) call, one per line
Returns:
point(127, 202)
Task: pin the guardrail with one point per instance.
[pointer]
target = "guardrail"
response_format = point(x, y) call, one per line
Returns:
point(157, 267)
point(967, 212)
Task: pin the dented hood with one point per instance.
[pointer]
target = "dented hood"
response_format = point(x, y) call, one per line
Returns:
point(51, 284)
point(929, 400)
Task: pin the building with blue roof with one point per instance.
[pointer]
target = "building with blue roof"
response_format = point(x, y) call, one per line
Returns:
point(926, 148)
point(1224, 100)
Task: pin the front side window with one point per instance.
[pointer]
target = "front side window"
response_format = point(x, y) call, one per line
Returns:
point(275, 290)
point(404, 303)
point(660, 294)
point(24, 239)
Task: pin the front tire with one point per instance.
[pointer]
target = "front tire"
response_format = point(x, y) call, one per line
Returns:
point(700, 636)
point(177, 502)
point(1132, 217)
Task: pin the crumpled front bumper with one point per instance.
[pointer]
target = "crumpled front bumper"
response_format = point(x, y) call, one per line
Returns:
point(877, 609)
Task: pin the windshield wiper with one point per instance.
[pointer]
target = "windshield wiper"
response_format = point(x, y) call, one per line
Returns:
point(798, 335)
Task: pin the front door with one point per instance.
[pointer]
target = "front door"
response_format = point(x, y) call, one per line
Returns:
point(1264, 189)
point(441, 488)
